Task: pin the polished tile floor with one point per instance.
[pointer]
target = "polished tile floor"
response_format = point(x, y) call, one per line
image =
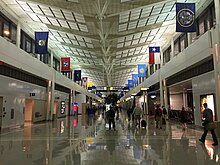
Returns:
point(87, 141)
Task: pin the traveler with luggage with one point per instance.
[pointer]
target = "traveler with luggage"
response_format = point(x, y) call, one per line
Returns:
point(207, 118)
point(158, 116)
point(183, 118)
point(164, 115)
point(137, 114)
point(111, 117)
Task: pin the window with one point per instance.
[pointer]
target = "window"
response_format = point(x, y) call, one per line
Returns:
point(183, 42)
point(201, 26)
point(176, 47)
point(28, 46)
point(1, 29)
point(151, 69)
point(6, 31)
point(13, 33)
point(166, 55)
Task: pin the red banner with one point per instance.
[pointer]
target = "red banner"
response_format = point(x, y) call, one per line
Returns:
point(65, 64)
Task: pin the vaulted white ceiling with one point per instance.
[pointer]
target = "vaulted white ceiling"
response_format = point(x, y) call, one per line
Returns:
point(106, 39)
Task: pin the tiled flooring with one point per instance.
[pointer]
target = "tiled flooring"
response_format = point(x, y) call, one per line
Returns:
point(86, 141)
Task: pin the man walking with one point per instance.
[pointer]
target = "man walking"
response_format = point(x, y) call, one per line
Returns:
point(208, 118)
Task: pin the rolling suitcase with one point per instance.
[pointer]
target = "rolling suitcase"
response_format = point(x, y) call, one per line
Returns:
point(143, 123)
point(163, 121)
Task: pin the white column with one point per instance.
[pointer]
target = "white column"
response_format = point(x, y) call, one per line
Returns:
point(50, 89)
point(216, 59)
point(161, 90)
point(148, 69)
point(185, 99)
point(189, 38)
point(18, 37)
point(161, 59)
point(172, 48)
point(165, 94)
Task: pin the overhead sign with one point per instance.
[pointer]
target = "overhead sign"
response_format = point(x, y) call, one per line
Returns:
point(144, 89)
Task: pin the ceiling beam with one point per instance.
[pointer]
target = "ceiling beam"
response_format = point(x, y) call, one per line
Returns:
point(75, 32)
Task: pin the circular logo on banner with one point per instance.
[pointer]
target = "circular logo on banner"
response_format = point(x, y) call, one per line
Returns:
point(185, 17)
point(41, 42)
point(65, 64)
point(141, 70)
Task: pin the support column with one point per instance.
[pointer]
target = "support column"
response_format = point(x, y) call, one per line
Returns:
point(165, 94)
point(139, 80)
point(216, 59)
point(185, 99)
point(18, 37)
point(148, 70)
point(189, 38)
point(50, 88)
point(172, 48)
point(161, 90)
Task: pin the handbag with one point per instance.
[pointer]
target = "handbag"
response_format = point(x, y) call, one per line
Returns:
point(210, 126)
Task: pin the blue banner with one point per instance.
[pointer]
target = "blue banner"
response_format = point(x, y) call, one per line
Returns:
point(185, 17)
point(77, 75)
point(142, 69)
point(135, 78)
point(41, 42)
point(130, 84)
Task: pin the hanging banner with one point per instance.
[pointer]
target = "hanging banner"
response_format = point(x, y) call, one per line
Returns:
point(77, 75)
point(41, 42)
point(84, 82)
point(89, 84)
point(135, 78)
point(154, 55)
point(65, 64)
point(185, 17)
point(130, 84)
point(142, 69)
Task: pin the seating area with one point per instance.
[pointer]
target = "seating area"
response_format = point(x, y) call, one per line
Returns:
point(175, 114)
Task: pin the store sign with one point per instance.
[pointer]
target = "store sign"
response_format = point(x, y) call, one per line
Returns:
point(63, 107)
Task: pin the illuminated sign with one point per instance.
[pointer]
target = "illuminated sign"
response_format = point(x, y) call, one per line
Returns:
point(63, 107)
point(144, 89)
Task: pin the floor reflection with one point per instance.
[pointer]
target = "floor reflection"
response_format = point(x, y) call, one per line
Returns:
point(86, 140)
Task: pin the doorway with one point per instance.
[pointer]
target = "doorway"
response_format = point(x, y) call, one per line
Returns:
point(28, 115)
point(1, 108)
point(55, 110)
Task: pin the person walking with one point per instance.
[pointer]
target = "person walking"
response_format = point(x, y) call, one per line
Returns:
point(183, 118)
point(208, 118)
point(111, 117)
point(158, 116)
point(137, 115)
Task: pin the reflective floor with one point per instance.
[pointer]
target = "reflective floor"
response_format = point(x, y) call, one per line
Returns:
point(87, 141)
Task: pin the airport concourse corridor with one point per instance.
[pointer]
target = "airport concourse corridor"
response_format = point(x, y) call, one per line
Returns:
point(87, 141)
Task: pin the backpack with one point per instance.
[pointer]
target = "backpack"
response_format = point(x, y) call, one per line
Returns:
point(158, 112)
point(164, 111)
